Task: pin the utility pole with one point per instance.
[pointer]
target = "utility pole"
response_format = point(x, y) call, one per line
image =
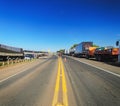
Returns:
point(118, 44)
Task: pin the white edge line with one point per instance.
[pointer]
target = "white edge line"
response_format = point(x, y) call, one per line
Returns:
point(11, 76)
point(118, 75)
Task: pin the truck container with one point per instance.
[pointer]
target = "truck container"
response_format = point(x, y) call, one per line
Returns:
point(8, 52)
point(81, 48)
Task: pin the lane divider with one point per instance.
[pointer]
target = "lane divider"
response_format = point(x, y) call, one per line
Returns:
point(64, 86)
point(57, 86)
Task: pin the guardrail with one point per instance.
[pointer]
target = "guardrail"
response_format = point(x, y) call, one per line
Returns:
point(11, 62)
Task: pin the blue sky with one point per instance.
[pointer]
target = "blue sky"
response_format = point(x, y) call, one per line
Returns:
point(58, 24)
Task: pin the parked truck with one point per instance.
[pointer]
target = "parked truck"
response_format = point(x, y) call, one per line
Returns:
point(72, 51)
point(90, 52)
point(81, 48)
point(103, 54)
point(8, 52)
point(67, 52)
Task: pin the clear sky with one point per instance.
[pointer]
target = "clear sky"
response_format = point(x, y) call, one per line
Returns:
point(58, 24)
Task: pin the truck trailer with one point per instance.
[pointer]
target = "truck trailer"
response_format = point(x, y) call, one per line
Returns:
point(103, 54)
point(8, 52)
point(81, 48)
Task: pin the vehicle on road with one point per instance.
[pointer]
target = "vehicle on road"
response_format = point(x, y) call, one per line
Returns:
point(72, 51)
point(90, 52)
point(28, 56)
point(80, 49)
point(103, 54)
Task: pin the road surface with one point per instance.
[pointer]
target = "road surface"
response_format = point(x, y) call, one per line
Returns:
point(57, 81)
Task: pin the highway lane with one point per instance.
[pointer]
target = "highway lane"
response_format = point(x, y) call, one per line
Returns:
point(60, 82)
point(92, 86)
point(33, 87)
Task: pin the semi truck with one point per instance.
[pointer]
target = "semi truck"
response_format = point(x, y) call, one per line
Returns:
point(67, 52)
point(102, 53)
point(90, 52)
point(72, 51)
point(28, 54)
point(81, 48)
point(8, 52)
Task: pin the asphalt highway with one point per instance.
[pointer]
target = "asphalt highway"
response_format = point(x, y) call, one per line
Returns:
point(57, 81)
point(32, 87)
point(92, 86)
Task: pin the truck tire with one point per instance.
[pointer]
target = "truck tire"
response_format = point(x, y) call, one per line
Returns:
point(96, 57)
point(99, 58)
point(87, 57)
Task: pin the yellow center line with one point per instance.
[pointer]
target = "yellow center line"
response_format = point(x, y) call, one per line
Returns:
point(57, 85)
point(64, 86)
